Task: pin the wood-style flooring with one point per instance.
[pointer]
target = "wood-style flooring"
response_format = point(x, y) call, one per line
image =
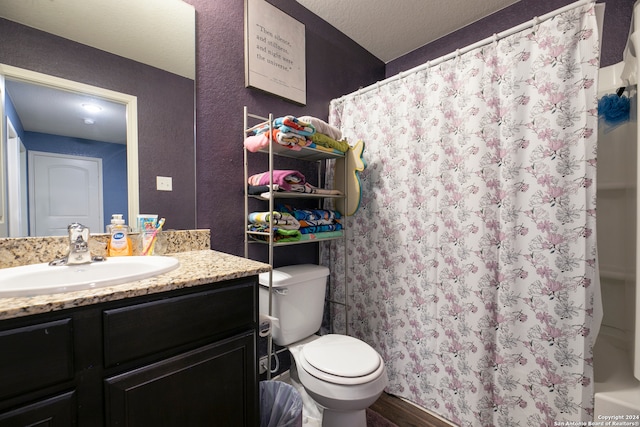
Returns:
point(405, 414)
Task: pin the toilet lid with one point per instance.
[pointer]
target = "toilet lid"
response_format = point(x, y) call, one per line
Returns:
point(342, 356)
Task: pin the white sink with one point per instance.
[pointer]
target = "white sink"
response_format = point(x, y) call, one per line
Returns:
point(41, 279)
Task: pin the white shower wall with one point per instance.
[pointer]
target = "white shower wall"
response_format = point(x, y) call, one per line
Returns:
point(617, 392)
point(616, 221)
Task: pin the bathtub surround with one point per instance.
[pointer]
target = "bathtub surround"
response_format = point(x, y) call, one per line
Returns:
point(481, 291)
point(617, 391)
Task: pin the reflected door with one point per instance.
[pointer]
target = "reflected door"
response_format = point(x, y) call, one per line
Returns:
point(64, 189)
point(16, 184)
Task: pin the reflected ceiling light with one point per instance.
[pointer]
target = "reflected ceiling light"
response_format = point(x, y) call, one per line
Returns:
point(92, 108)
point(89, 121)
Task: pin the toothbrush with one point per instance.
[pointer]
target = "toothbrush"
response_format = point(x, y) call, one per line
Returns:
point(152, 241)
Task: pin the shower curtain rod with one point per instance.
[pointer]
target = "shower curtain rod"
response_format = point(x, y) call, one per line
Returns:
point(496, 36)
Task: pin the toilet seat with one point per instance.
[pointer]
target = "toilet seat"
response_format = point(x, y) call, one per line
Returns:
point(341, 359)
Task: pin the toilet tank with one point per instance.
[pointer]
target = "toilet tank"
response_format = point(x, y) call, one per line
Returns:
point(298, 293)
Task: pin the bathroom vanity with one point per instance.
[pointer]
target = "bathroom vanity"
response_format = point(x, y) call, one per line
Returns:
point(174, 350)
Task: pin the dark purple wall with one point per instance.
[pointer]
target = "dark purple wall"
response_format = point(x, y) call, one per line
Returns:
point(335, 66)
point(617, 22)
point(165, 110)
point(616, 29)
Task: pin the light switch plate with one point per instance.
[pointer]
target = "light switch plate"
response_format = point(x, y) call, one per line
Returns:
point(164, 183)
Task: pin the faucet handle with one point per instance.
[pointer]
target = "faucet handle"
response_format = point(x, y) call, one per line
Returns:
point(78, 244)
point(77, 232)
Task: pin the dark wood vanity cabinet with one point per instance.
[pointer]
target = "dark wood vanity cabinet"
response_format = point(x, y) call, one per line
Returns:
point(180, 358)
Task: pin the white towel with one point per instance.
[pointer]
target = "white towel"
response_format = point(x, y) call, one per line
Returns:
point(323, 127)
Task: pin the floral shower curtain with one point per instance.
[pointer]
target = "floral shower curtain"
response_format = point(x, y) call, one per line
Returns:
point(471, 262)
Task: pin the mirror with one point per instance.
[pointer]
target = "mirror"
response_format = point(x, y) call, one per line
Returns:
point(155, 86)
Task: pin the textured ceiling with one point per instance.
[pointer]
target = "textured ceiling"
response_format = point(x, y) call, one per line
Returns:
point(391, 29)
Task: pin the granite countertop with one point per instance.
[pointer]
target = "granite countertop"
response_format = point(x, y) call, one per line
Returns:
point(196, 268)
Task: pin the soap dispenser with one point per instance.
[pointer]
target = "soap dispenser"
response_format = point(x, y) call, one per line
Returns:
point(119, 242)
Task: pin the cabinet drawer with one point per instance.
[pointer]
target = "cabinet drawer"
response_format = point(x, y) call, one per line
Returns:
point(36, 356)
point(57, 411)
point(144, 329)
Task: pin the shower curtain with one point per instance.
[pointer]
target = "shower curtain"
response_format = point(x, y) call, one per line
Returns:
point(471, 263)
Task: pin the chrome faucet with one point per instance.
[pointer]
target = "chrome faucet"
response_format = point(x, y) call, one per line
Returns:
point(79, 252)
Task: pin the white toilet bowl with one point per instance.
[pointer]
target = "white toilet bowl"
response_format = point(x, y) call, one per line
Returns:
point(342, 374)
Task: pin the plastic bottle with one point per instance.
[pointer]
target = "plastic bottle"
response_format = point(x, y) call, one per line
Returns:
point(120, 242)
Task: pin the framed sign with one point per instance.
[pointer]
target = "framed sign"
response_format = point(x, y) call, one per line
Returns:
point(274, 52)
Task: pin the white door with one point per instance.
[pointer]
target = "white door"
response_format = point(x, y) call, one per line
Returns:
point(64, 189)
point(16, 184)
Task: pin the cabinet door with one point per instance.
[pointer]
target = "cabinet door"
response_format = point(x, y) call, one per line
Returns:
point(214, 385)
point(35, 356)
point(58, 411)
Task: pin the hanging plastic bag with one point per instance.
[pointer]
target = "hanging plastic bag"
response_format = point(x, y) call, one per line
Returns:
point(280, 405)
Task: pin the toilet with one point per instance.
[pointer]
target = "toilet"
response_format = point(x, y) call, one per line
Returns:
point(344, 375)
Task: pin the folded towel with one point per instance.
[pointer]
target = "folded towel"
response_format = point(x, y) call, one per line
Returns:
point(322, 127)
point(282, 220)
point(255, 143)
point(327, 149)
point(290, 139)
point(322, 235)
point(328, 142)
point(259, 189)
point(310, 189)
point(293, 124)
point(310, 214)
point(315, 214)
point(284, 178)
point(285, 138)
point(279, 234)
point(316, 222)
point(321, 228)
point(287, 124)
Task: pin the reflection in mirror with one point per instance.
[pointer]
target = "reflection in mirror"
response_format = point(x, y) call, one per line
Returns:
point(81, 164)
point(144, 48)
point(160, 33)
